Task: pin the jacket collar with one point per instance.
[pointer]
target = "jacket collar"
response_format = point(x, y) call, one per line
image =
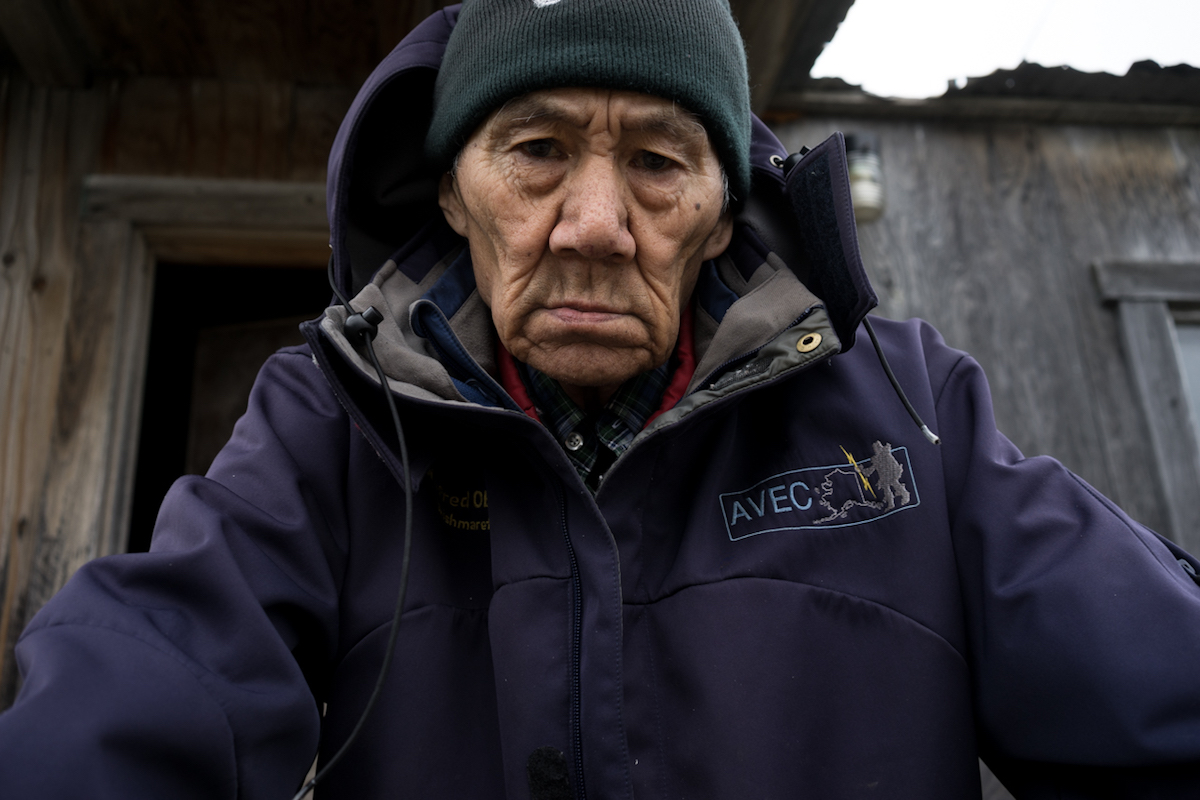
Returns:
point(437, 338)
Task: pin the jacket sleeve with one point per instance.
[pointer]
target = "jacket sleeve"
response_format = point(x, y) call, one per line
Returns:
point(1083, 625)
point(190, 671)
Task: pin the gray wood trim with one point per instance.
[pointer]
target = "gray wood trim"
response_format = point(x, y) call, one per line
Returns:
point(129, 374)
point(1143, 292)
point(1148, 334)
point(205, 202)
point(1173, 282)
point(1074, 112)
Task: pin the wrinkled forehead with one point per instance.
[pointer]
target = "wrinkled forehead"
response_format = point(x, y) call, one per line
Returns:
point(595, 109)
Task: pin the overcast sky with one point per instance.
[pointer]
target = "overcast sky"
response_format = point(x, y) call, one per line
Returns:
point(911, 48)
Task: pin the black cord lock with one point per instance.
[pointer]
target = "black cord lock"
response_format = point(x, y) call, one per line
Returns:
point(364, 323)
point(792, 160)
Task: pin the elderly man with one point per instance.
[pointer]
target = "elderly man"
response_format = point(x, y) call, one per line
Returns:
point(671, 536)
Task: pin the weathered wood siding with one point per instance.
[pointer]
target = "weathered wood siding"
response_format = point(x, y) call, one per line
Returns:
point(990, 233)
point(56, 324)
point(75, 284)
point(222, 129)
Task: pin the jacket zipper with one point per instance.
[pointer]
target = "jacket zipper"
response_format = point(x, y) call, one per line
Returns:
point(576, 690)
point(576, 723)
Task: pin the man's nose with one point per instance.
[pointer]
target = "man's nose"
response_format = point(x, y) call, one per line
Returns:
point(594, 218)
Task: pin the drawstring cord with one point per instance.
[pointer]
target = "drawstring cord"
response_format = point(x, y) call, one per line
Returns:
point(912, 412)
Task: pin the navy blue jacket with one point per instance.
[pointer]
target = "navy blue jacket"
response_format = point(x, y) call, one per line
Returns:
point(781, 590)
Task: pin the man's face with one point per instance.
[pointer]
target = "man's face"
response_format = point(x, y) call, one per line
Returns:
point(588, 213)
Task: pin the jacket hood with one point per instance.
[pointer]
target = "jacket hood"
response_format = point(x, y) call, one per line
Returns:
point(381, 192)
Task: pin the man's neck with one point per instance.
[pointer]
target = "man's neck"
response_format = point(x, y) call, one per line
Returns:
point(589, 398)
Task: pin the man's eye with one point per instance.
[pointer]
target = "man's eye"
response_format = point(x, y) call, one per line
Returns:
point(539, 148)
point(654, 161)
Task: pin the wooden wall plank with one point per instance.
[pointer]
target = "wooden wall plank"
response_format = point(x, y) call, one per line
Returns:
point(51, 140)
point(222, 129)
point(24, 421)
point(316, 115)
point(96, 411)
point(317, 43)
point(33, 315)
point(143, 37)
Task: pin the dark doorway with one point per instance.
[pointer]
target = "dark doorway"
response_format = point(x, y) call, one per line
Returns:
point(210, 330)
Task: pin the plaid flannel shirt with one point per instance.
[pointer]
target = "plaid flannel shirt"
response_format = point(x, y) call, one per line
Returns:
point(594, 441)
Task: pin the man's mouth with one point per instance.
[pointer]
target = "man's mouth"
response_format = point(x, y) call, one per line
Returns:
point(583, 314)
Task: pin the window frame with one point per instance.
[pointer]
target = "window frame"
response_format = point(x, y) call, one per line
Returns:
point(1147, 295)
point(128, 224)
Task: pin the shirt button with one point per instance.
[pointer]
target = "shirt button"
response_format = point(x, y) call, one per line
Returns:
point(573, 442)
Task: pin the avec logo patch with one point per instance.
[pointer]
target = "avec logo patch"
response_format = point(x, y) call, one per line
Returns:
point(854, 492)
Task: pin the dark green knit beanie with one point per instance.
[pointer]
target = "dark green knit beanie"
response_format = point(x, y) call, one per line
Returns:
point(686, 51)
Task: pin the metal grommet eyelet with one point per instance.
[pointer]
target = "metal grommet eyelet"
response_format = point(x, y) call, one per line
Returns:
point(809, 342)
point(776, 161)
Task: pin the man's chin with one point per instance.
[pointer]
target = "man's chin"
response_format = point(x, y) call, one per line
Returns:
point(591, 365)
